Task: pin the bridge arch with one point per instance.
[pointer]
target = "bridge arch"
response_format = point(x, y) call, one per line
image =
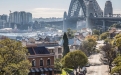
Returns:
point(74, 8)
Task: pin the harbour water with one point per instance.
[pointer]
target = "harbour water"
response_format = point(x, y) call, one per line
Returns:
point(29, 34)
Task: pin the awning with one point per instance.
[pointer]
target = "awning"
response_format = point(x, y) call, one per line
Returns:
point(32, 70)
point(41, 69)
point(36, 69)
point(45, 69)
point(50, 69)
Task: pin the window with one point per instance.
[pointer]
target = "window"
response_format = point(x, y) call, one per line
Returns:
point(51, 51)
point(59, 56)
point(41, 62)
point(48, 62)
point(59, 50)
point(33, 63)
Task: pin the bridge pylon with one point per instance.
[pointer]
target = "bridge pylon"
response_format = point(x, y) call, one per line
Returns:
point(89, 13)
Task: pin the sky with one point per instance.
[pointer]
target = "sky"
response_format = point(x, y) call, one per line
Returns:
point(47, 8)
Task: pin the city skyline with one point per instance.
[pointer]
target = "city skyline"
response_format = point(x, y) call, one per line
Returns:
point(47, 8)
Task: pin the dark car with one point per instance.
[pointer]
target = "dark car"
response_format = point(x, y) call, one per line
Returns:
point(83, 71)
point(81, 74)
point(87, 65)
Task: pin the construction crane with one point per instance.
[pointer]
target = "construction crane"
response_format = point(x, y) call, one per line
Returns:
point(10, 11)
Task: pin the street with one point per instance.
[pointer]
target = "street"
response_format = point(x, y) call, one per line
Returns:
point(97, 68)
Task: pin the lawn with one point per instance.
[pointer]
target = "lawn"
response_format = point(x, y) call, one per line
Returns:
point(63, 72)
point(66, 70)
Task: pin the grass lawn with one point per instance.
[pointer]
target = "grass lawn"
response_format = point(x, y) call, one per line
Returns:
point(66, 70)
point(63, 72)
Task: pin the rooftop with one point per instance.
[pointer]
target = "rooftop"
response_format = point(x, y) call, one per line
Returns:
point(37, 50)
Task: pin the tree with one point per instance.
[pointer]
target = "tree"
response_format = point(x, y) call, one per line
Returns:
point(116, 25)
point(117, 68)
point(13, 58)
point(117, 41)
point(117, 60)
point(104, 36)
point(70, 33)
point(74, 59)
point(110, 53)
point(57, 64)
point(93, 37)
point(65, 45)
point(88, 45)
point(96, 32)
point(108, 41)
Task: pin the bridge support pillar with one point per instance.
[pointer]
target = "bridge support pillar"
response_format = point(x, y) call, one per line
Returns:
point(103, 27)
point(69, 25)
point(89, 23)
point(64, 26)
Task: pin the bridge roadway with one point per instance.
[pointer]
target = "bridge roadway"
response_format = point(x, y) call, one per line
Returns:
point(82, 18)
point(107, 18)
point(68, 19)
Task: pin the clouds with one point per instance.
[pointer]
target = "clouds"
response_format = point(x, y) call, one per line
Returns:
point(117, 11)
point(47, 12)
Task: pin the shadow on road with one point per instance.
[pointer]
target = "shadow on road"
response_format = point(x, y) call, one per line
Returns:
point(91, 72)
point(96, 64)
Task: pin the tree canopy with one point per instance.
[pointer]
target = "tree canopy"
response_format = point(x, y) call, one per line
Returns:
point(96, 32)
point(74, 59)
point(57, 64)
point(93, 37)
point(65, 45)
point(117, 68)
point(88, 45)
point(13, 58)
point(110, 53)
point(104, 36)
point(117, 41)
point(70, 33)
point(116, 25)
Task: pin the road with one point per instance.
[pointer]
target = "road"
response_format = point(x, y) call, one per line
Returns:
point(97, 68)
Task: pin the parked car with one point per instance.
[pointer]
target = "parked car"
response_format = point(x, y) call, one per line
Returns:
point(81, 74)
point(83, 71)
point(87, 65)
point(105, 62)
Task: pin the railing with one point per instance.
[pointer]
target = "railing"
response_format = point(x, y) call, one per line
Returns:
point(113, 15)
point(54, 20)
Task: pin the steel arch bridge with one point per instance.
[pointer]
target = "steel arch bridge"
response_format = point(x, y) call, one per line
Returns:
point(76, 6)
point(70, 19)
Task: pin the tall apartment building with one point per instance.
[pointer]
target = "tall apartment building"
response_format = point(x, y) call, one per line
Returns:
point(4, 17)
point(29, 17)
point(16, 17)
point(21, 17)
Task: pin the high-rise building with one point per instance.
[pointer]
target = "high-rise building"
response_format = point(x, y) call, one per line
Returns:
point(28, 17)
point(20, 17)
point(0, 17)
point(16, 17)
point(23, 17)
point(4, 17)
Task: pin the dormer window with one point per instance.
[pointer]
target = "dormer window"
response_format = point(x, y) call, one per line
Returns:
point(33, 63)
point(41, 62)
point(48, 62)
